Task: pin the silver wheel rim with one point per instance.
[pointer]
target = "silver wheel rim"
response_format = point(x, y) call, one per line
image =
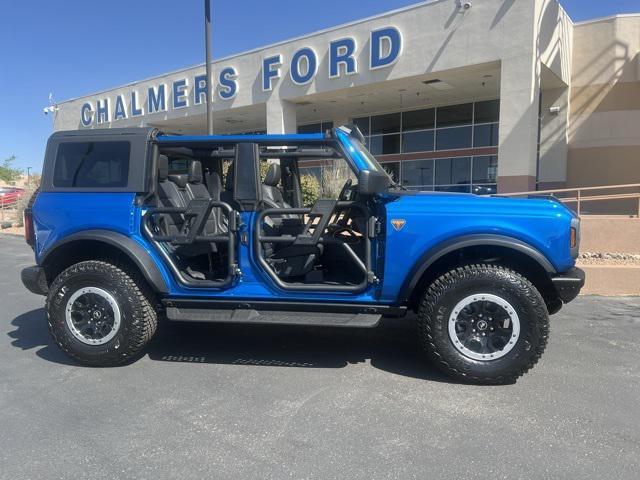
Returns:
point(484, 327)
point(93, 315)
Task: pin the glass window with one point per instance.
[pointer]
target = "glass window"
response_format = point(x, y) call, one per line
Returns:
point(363, 124)
point(389, 123)
point(325, 126)
point(419, 119)
point(393, 170)
point(485, 135)
point(385, 144)
point(311, 128)
point(451, 171)
point(417, 141)
point(485, 169)
point(417, 174)
point(452, 138)
point(484, 189)
point(454, 115)
point(487, 112)
point(92, 165)
point(178, 165)
point(454, 188)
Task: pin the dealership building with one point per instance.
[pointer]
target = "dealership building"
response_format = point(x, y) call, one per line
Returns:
point(485, 95)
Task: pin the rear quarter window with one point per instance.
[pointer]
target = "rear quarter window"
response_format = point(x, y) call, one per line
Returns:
point(92, 165)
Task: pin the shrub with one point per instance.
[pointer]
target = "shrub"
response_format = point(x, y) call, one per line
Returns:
point(22, 204)
point(310, 189)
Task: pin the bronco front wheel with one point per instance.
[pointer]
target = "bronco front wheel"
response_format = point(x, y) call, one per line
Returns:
point(483, 324)
point(100, 314)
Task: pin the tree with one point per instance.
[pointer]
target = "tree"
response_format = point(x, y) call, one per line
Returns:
point(8, 173)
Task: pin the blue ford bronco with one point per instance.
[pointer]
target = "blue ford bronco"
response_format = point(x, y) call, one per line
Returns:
point(133, 225)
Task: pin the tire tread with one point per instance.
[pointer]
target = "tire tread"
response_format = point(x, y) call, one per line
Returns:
point(448, 280)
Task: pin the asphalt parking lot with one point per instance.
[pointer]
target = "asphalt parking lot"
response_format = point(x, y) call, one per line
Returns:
point(216, 401)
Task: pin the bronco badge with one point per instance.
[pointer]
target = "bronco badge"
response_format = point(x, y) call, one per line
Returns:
point(398, 223)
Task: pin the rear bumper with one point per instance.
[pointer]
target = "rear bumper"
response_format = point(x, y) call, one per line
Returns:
point(35, 280)
point(568, 284)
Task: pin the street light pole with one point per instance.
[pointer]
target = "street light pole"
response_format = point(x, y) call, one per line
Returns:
point(207, 39)
point(28, 177)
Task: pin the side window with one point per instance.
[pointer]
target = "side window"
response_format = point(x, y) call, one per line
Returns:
point(92, 165)
point(178, 165)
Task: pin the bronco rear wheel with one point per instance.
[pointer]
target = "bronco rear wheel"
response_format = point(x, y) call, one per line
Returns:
point(483, 324)
point(100, 314)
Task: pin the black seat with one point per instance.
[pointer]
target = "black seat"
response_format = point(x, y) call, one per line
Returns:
point(180, 180)
point(169, 196)
point(291, 260)
point(175, 191)
point(271, 194)
point(195, 189)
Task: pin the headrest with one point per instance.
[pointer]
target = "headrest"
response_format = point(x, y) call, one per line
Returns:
point(195, 172)
point(273, 175)
point(179, 179)
point(163, 168)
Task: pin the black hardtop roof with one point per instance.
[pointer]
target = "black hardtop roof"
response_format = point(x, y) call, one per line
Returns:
point(93, 132)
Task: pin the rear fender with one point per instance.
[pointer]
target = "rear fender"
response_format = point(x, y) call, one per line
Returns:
point(133, 250)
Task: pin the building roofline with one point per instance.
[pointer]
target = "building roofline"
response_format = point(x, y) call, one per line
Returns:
point(608, 17)
point(413, 6)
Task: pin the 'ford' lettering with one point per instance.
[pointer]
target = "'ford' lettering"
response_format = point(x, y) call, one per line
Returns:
point(385, 48)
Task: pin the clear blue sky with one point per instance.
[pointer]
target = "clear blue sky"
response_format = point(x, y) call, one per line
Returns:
point(76, 47)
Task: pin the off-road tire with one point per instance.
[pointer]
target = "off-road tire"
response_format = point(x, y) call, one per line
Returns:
point(445, 292)
point(134, 299)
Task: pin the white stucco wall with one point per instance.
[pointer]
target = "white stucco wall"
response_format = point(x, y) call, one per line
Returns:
point(437, 36)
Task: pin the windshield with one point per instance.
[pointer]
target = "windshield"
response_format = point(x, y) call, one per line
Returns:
point(370, 160)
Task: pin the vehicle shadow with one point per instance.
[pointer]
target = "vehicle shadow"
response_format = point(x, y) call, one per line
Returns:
point(31, 332)
point(392, 346)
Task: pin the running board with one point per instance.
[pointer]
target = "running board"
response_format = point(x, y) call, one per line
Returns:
point(275, 317)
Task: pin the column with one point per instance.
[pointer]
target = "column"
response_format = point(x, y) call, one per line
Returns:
point(518, 143)
point(552, 166)
point(281, 116)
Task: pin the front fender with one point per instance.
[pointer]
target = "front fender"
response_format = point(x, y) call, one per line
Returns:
point(431, 256)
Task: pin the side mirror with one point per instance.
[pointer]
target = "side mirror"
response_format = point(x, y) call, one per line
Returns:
point(370, 182)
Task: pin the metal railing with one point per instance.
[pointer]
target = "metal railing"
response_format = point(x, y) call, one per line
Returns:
point(577, 196)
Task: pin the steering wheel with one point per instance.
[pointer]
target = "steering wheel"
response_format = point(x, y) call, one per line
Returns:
point(345, 194)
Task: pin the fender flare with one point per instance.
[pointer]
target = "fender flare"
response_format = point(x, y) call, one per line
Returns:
point(132, 249)
point(432, 255)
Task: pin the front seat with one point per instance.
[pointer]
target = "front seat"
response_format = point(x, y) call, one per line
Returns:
point(290, 260)
point(271, 194)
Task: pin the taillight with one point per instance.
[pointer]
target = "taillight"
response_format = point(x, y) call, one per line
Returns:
point(29, 233)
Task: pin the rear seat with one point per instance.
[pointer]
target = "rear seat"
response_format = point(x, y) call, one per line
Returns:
point(169, 196)
point(176, 191)
point(196, 189)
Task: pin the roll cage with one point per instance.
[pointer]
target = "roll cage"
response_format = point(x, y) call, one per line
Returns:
point(246, 152)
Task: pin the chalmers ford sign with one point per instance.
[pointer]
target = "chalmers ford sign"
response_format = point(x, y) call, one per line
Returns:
point(385, 49)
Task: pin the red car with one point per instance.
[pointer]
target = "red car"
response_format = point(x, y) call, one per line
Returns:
point(10, 195)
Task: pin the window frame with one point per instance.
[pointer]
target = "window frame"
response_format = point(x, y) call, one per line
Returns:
point(140, 159)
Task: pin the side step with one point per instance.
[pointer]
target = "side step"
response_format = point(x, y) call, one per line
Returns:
point(362, 320)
